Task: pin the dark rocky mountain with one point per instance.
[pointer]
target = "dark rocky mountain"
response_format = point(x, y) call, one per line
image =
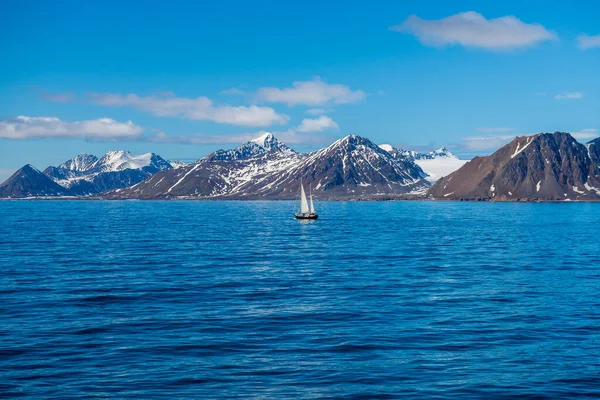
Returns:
point(30, 182)
point(86, 174)
point(546, 166)
point(352, 167)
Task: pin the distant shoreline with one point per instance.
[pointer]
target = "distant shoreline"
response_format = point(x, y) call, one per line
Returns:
point(399, 198)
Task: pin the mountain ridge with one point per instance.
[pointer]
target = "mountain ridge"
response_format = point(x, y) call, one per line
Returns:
point(87, 174)
point(266, 168)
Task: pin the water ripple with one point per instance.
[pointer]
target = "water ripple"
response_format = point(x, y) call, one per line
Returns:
point(238, 300)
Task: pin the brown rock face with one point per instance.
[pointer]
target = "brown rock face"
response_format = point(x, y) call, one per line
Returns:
point(30, 182)
point(546, 166)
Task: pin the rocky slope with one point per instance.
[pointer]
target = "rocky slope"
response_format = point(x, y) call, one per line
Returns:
point(30, 182)
point(594, 151)
point(352, 167)
point(546, 166)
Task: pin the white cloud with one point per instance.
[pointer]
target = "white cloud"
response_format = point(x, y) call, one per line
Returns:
point(311, 93)
point(50, 127)
point(569, 96)
point(200, 108)
point(495, 130)
point(586, 42)
point(586, 134)
point(471, 29)
point(315, 111)
point(317, 125)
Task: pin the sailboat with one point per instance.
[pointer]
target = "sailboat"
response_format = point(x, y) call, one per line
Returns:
point(307, 210)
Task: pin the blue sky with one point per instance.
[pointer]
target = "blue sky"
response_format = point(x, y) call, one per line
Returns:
point(182, 79)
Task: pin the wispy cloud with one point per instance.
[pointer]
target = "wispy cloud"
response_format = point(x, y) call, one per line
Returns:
point(232, 92)
point(200, 108)
point(491, 142)
point(23, 127)
point(320, 124)
point(65, 97)
point(496, 138)
point(586, 42)
point(588, 133)
point(5, 173)
point(310, 93)
point(290, 137)
point(315, 111)
point(494, 142)
point(495, 130)
point(471, 29)
point(569, 96)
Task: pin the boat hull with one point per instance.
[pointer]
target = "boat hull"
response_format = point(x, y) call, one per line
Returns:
point(306, 216)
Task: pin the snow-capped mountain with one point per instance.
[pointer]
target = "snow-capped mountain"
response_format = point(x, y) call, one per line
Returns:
point(30, 182)
point(546, 166)
point(82, 162)
point(436, 164)
point(119, 160)
point(86, 174)
point(352, 167)
point(266, 143)
point(177, 164)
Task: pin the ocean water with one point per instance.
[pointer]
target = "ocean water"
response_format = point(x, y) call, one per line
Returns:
point(203, 299)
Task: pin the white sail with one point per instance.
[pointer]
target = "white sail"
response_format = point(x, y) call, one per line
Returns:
point(312, 206)
point(303, 203)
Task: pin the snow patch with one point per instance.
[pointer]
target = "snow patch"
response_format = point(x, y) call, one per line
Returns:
point(576, 190)
point(387, 147)
point(519, 150)
point(591, 188)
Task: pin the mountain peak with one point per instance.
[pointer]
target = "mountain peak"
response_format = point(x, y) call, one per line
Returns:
point(265, 143)
point(29, 168)
point(30, 182)
point(265, 139)
point(82, 162)
point(353, 140)
point(116, 160)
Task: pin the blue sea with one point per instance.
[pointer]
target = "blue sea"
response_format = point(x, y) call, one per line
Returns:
point(238, 300)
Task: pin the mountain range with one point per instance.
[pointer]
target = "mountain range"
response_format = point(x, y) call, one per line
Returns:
point(85, 175)
point(265, 168)
point(546, 166)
